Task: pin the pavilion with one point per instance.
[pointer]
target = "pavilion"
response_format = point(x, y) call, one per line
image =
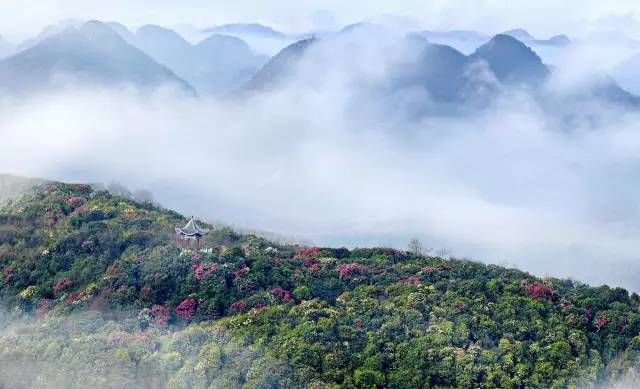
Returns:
point(190, 233)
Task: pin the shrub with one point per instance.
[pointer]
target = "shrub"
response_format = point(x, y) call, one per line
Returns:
point(186, 310)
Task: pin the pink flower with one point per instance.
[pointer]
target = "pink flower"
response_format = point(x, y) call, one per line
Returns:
point(281, 294)
point(239, 306)
point(160, 315)
point(312, 264)
point(75, 202)
point(43, 307)
point(8, 272)
point(359, 323)
point(349, 270)
point(413, 280)
point(187, 309)
point(62, 284)
point(240, 273)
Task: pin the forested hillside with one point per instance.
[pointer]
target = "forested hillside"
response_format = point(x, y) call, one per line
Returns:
point(97, 292)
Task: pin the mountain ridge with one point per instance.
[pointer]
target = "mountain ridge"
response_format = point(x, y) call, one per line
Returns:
point(368, 317)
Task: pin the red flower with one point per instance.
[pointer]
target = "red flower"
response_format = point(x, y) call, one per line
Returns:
point(239, 306)
point(307, 253)
point(602, 322)
point(538, 291)
point(359, 323)
point(73, 297)
point(202, 272)
point(187, 309)
point(8, 272)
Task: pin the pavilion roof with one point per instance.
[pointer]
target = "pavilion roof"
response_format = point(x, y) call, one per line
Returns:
point(192, 229)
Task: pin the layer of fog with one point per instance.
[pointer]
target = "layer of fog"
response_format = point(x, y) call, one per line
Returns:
point(324, 163)
point(112, 350)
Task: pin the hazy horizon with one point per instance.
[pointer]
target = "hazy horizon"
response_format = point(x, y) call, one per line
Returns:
point(546, 18)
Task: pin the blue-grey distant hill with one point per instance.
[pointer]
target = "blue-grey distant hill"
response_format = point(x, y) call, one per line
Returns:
point(214, 66)
point(92, 53)
point(439, 73)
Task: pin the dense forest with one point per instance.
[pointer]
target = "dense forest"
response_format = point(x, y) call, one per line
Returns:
point(96, 291)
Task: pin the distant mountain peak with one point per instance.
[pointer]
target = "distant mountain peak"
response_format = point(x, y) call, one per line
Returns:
point(512, 61)
point(92, 52)
point(248, 29)
point(520, 34)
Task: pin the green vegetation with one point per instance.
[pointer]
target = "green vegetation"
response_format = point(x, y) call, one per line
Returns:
point(261, 314)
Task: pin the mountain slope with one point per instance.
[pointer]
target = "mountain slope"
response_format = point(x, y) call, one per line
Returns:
point(279, 68)
point(512, 62)
point(318, 317)
point(246, 29)
point(92, 53)
point(214, 66)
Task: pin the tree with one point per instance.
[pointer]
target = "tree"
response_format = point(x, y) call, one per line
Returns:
point(415, 247)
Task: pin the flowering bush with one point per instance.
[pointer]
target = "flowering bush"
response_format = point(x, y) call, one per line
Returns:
point(160, 315)
point(307, 253)
point(311, 263)
point(538, 291)
point(187, 309)
point(7, 272)
point(240, 273)
point(75, 202)
point(413, 280)
point(202, 272)
point(62, 284)
point(428, 270)
point(73, 297)
point(281, 294)
point(348, 270)
point(28, 293)
point(239, 306)
point(602, 322)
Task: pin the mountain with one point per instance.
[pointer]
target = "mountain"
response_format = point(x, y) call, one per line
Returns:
point(6, 48)
point(262, 39)
point(512, 61)
point(280, 68)
point(92, 53)
point(247, 29)
point(49, 31)
point(123, 31)
point(525, 37)
point(627, 74)
point(97, 286)
point(214, 66)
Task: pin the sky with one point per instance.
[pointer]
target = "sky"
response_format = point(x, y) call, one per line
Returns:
point(20, 19)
